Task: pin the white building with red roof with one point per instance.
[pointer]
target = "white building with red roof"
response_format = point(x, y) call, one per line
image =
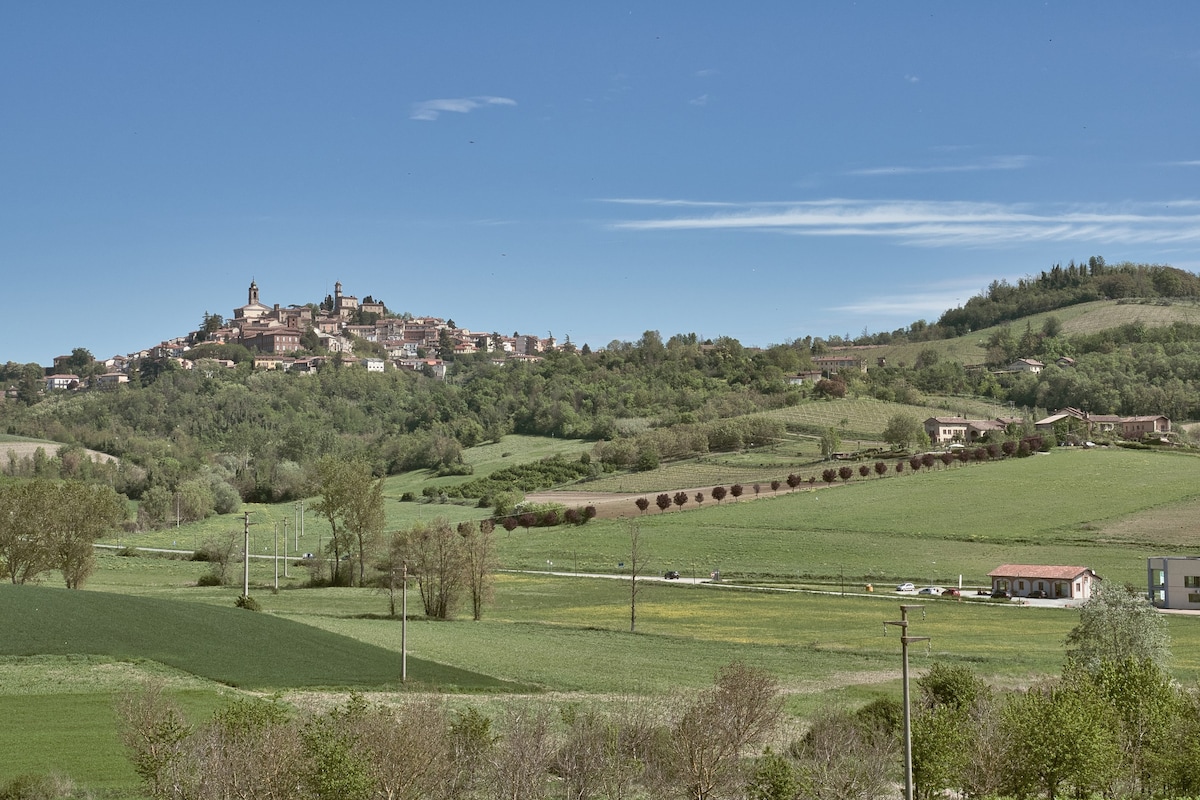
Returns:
point(1025, 580)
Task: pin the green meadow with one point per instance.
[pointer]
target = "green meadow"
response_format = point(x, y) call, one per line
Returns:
point(793, 600)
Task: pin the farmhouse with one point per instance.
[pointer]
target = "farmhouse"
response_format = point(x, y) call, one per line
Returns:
point(1026, 365)
point(1174, 582)
point(1021, 580)
point(943, 430)
point(835, 364)
point(1070, 419)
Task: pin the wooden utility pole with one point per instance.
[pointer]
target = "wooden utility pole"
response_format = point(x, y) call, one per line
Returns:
point(404, 622)
point(905, 639)
point(246, 555)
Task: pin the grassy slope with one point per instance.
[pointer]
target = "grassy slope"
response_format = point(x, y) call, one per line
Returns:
point(1069, 506)
point(223, 644)
point(1083, 318)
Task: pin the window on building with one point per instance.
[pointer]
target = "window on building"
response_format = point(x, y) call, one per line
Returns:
point(1194, 598)
point(1191, 581)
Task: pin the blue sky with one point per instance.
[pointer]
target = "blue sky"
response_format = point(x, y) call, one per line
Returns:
point(765, 171)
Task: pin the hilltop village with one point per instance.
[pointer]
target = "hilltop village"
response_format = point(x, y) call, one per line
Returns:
point(302, 337)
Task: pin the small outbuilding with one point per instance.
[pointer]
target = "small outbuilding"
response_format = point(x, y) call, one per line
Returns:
point(1024, 580)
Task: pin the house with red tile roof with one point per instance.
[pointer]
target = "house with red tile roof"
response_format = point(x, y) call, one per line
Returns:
point(1021, 580)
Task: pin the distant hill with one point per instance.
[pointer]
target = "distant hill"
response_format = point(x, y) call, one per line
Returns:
point(1084, 318)
point(224, 644)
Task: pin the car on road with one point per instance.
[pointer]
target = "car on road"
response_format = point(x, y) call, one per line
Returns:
point(906, 587)
point(1000, 594)
point(935, 590)
point(952, 592)
point(671, 575)
point(1038, 593)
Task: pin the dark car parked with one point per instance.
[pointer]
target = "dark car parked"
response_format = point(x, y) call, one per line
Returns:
point(671, 575)
point(1038, 593)
point(1000, 593)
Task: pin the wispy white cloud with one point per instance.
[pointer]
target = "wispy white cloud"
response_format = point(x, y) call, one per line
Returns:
point(702, 100)
point(926, 302)
point(430, 110)
point(983, 165)
point(912, 78)
point(706, 73)
point(658, 201)
point(940, 223)
point(1187, 163)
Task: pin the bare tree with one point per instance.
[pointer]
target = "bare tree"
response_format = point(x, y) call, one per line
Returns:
point(523, 753)
point(479, 552)
point(154, 731)
point(435, 555)
point(636, 556)
point(842, 758)
point(709, 739)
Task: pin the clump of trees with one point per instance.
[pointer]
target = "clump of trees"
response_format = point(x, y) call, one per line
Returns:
point(449, 563)
point(51, 525)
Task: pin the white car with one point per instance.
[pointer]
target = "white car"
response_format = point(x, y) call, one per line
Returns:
point(906, 587)
point(931, 590)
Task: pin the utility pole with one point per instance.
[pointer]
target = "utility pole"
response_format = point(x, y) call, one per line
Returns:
point(404, 622)
point(285, 556)
point(905, 639)
point(246, 555)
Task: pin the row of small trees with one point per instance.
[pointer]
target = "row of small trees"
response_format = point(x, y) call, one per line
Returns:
point(1022, 448)
point(680, 499)
point(51, 525)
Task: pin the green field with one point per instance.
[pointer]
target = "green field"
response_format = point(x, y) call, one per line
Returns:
point(1105, 508)
point(785, 560)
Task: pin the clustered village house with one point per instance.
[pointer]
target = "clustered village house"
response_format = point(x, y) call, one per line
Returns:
point(273, 334)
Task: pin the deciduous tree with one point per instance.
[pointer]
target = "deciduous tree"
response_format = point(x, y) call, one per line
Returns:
point(352, 503)
point(435, 554)
point(1116, 623)
point(904, 431)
